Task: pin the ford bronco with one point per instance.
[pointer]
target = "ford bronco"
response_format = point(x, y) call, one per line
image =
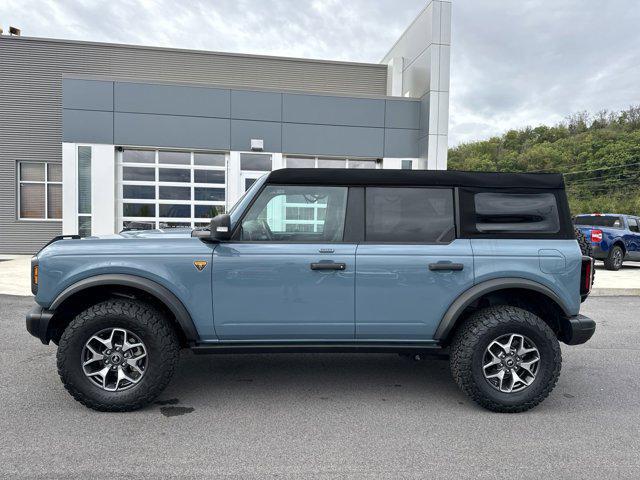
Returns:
point(484, 267)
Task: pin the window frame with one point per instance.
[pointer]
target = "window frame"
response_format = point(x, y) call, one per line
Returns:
point(468, 215)
point(46, 182)
point(455, 212)
point(157, 220)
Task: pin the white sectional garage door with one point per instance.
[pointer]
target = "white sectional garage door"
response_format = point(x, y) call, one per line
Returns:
point(170, 188)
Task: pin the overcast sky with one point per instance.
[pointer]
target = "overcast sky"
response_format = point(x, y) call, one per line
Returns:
point(514, 62)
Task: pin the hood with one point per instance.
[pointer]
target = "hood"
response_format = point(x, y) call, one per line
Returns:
point(143, 241)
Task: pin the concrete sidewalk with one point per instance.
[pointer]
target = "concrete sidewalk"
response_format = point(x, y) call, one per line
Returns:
point(15, 278)
point(625, 281)
point(15, 275)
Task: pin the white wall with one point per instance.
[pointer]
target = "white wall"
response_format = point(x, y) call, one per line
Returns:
point(103, 189)
point(419, 67)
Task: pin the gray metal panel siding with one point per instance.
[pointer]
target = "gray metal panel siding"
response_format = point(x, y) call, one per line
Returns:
point(359, 112)
point(171, 131)
point(256, 105)
point(242, 131)
point(31, 99)
point(171, 99)
point(87, 126)
point(402, 114)
point(400, 143)
point(87, 94)
point(332, 140)
point(175, 122)
point(30, 129)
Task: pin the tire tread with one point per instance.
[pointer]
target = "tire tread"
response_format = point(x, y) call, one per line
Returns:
point(465, 342)
point(148, 317)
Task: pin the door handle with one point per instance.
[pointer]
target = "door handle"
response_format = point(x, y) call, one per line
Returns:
point(442, 266)
point(328, 266)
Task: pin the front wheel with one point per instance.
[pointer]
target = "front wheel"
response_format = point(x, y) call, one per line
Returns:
point(117, 355)
point(506, 359)
point(615, 258)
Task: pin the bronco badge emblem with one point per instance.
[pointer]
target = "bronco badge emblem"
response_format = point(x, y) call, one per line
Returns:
point(200, 264)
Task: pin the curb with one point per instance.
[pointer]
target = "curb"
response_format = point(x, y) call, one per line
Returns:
point(615, 292)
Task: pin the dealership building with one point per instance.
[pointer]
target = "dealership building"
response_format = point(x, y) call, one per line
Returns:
point(97, 137)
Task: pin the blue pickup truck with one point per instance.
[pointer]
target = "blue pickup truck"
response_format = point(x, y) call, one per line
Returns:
point(483, 266)
point(614, 238)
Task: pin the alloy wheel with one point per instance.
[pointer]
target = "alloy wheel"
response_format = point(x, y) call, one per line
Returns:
point(114, 359)
point(617, 258)
point(510, 363)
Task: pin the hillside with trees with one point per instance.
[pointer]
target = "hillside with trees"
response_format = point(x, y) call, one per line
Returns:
point(599, 156)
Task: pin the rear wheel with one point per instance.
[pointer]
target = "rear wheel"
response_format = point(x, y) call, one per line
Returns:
point(117, 355)
point(506, 359)
point(615, 258)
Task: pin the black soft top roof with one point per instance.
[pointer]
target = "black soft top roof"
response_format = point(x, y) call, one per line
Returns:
point(448, 178)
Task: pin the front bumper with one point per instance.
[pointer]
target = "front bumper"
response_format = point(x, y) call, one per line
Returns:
point(38, 319)
point(577, 330)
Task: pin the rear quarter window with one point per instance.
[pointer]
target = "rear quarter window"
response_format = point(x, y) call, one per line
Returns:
point(497, 212)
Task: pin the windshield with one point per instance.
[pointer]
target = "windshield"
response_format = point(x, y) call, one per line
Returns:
point(599, 221)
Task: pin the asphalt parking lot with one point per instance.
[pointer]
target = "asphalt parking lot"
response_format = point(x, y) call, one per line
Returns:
point(326, 416)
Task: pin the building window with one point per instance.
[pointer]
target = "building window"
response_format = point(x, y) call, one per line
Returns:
point(407, 165)
point(170, 188)
point(329, 162)
point(256, 162)
point(84, 191)
point(40, 191)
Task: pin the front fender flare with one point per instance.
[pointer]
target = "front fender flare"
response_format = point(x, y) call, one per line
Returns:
point(454, 311)
point(175, 306)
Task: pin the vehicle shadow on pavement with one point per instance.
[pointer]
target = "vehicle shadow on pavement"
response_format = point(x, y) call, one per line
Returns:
point(321, 376)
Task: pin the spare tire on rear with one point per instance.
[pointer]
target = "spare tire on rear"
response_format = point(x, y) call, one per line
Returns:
point(585, 248)
point(585, 245)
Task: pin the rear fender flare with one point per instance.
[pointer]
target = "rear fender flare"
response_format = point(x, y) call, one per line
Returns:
point(454, 311)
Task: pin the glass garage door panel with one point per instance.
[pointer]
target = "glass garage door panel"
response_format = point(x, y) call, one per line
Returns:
point(170, 188)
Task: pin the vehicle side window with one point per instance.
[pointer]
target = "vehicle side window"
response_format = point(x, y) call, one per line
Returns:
point(516, 212)
point(293, 213)
point(633, 224)
point(409, 215)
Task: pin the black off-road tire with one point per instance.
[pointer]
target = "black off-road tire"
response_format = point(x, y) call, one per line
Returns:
point(612, 262)
point(143, 320)
point(586, 248)
point(478, 331)
point(585, 245)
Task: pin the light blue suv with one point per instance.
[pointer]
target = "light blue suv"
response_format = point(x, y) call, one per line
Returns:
point(484, 266)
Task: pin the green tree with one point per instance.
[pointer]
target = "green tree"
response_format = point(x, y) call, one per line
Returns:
point(599, 155)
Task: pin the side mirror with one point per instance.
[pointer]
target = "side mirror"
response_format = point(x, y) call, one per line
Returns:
point(220, 229)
